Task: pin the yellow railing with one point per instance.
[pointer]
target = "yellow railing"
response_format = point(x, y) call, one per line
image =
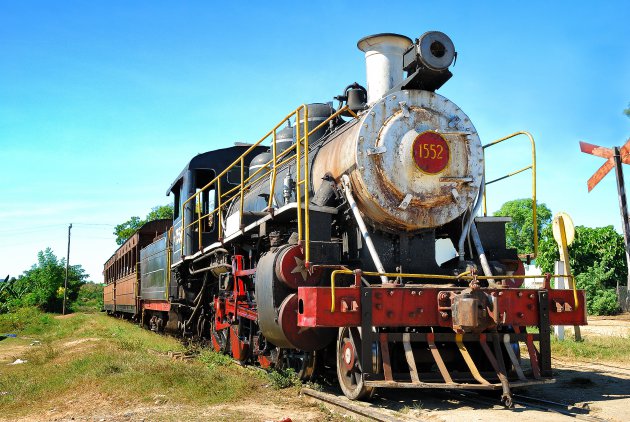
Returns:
point(532, 166)
point(463, 276)
point(270, 168)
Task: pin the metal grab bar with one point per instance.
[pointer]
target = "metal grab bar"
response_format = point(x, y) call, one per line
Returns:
point(462, 276)
point(532, 167)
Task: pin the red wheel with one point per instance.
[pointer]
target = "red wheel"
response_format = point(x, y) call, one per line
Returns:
point(349, 371)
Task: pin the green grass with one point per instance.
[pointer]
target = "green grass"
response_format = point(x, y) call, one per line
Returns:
point(593, 348)
point(90, 354)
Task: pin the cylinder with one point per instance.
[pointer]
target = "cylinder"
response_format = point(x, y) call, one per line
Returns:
point(383, 62)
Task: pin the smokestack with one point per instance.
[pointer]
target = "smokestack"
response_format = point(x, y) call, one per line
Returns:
point(383, 62)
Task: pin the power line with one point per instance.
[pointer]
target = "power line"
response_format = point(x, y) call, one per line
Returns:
point(49, 227)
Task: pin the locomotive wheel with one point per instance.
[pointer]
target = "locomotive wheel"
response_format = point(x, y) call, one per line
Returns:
point(303, 363)
point(349, 371)
point(219, 339)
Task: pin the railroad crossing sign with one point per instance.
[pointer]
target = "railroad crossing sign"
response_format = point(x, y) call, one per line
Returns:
point(607, 153)
point(615, 157)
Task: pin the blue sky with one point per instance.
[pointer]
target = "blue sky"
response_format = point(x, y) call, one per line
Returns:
point(103, 102)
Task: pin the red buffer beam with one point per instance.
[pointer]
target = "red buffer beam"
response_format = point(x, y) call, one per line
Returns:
point(416, 307)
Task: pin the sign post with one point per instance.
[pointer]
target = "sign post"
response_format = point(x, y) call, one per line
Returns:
point(564, 234)
point(615, 157)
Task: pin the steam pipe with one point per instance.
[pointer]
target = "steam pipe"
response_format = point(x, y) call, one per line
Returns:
point(482, 255)
point(462, 238)
point(345, 180)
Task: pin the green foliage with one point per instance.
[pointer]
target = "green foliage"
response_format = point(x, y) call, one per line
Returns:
point(125, 230)
point(600, 299)
point(160, 212)
point(90, 298)
point(597, 258)
point(213, 359)
point(28, 320)
point(284, 378)
point(43, 285)
point(627, 111)
point(601, 246)
point(520, 232)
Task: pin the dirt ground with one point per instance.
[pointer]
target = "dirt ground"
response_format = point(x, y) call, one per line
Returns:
point(618, 326)
point(100, 409)
point(602, 389)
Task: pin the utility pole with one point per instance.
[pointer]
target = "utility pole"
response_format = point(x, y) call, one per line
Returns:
point(625, 224)
point(65, 284)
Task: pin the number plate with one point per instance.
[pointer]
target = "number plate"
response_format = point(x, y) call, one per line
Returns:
point(430, 152)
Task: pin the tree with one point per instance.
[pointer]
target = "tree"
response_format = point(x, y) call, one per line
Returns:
point(160, 212)
point(125, 230)
point(597, 258)
point(90, 298)
point(627, 111)
point(520, 231)
point(43, 284)
point(593, 247)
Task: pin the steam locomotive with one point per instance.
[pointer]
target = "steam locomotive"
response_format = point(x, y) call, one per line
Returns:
point(324, 244)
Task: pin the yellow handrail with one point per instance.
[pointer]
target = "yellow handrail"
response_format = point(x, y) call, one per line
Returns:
point(532, 167)
point(462, 276)
point(301, 148)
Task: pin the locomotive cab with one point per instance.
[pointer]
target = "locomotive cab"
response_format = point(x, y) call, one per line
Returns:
point(194, 224)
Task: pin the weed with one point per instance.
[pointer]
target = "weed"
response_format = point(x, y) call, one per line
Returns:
point(284, 378)
point(416, 407)
point(42, 354)
point(129, 344)
point(214, 359)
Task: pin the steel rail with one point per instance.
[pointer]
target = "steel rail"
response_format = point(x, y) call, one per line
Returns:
point(367, 410)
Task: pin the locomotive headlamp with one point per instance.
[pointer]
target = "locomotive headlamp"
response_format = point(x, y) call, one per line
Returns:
point(427, 61)
point(435, 50)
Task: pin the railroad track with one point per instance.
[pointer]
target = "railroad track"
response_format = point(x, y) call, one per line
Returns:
point(528, 402)
point(587, 366)
point(384, 411)
point(363, 409)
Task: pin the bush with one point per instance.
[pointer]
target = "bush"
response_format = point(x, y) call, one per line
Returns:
point(600, 300)
point(28, 319)
point(599, 247)
point(43, 285)
point(89, 298)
